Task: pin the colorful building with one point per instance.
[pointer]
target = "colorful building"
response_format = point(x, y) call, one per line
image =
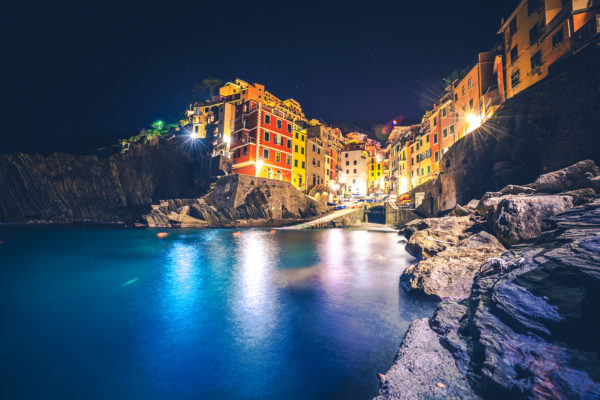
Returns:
point(299, 157)
point(262, 142)
point(353, 176)
point(539, 32)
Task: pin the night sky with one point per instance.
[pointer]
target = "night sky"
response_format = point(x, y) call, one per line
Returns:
point(76, 71)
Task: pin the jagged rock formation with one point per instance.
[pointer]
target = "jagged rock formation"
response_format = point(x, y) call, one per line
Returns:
point(528, 327)
point(430, 236)
point(549, 126)
point(65, 188)
point(238, 200)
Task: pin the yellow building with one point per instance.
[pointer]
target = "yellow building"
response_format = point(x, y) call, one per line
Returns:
point(299, 158)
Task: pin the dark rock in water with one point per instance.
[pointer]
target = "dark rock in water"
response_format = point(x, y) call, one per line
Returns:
point(240, 199)
point(423, 369)
point(65, 188)
point(449, 274)
point(439, 234)
point(517, 218)
point(576, 176)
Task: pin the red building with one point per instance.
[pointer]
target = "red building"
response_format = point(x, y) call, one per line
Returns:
point(262, 142)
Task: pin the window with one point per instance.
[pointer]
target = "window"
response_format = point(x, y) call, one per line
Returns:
point(303, 164)
point(372, 174)
point(346, 155)
point(436, 157)
point(296, 163)
point(289, 128)
point(452, 129)
point(266, 154)
point(277, 156)
point(427, 139)
point(245, 152)
point(303, 138)
point(266, 136)
point(296, 148)
point(296, 135)
point(347, 171)
point(435, 137)
point(301, 150)
point(319, 150)
point(347, 163)
point(514, 54)
point(237, 153)
point(278, 124)
point(470, 83)
point(444, 111)
point(428, 154)
point(557, 39)
point(354, 170)
point(422, 171)
point(434, 121)
point(536, 61)
point(289, 144)
point(267, 119)
point(451, 107)
point(534, 34)
point(277, 139)
point(428, 169)
point(379, 166)
point(471, 104)
point(463, 90)
point(288, 160)
point(455, 96)
point(314, 148)
point(514, 78)
point(513, 26)
point(279, 175)
point(445, 133)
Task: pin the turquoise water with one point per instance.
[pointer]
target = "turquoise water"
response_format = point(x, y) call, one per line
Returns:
point(109, 313)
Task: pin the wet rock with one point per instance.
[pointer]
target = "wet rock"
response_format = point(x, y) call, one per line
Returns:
point(517, 218)
point(450, 273)
point(581, 196)
point(576, 176)
point(516, 189)
point(460, 211)
point(423, 369)
point(487, 202)
point(446, 323)
point(439, 234)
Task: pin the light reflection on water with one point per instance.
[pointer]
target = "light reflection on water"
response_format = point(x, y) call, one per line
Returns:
point(210, 314)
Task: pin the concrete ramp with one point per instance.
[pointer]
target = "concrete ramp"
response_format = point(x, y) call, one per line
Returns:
point(338, 218)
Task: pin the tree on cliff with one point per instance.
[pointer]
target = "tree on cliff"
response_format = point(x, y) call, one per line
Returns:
point(208, 87)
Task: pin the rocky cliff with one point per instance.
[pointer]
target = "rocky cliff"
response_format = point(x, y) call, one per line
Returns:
point(65, 188)
point(551, 125)
point(521, 323)
point(238, 200)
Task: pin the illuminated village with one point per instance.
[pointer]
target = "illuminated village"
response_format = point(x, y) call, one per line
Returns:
point(267, 137)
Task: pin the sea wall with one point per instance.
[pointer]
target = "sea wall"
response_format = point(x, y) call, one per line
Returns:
point(551, 125)
point(65, 188)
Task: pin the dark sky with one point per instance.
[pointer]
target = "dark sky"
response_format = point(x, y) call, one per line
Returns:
point(75, 70)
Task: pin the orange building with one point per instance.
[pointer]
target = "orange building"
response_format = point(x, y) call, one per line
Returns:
point(262, 142)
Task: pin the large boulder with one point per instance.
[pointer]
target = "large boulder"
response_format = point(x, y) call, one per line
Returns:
point(423, 369)
point(576, 176)
point(517, 218)
point(450, 273)
point(581, 196)
point(487, 202)
point(439, 234)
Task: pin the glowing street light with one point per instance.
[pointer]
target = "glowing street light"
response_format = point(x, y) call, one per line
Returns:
point(474, 122)
point(259, 165)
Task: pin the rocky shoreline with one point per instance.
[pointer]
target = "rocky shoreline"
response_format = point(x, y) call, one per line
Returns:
point(518, 276)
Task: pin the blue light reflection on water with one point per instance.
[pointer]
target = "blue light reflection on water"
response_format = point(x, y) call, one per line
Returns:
point(203, 314)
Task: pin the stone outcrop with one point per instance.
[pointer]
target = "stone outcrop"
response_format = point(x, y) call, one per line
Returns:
point(238, 200)
point(429, 368)
point(527, 327)
point(518, 218)
point(430, 236)
point(449, 274)
point(66, 188)
point(576, 176)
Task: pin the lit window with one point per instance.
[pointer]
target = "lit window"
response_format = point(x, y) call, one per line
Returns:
point(277, 156)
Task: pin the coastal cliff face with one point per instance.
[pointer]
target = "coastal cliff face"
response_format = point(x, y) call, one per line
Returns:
point(520, 323)
point(64, 188)
point(551, 125)
point(238, 200)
